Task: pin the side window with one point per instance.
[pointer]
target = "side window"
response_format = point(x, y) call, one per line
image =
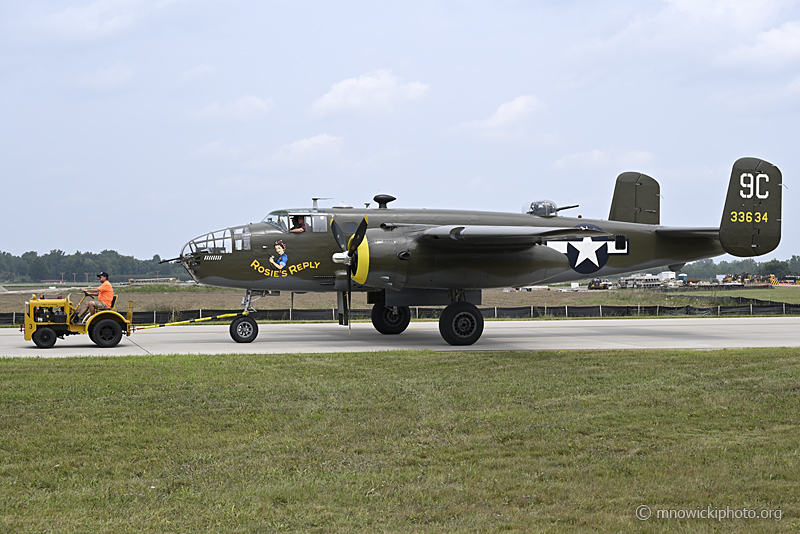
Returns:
point(241, 238)
point(319, 223)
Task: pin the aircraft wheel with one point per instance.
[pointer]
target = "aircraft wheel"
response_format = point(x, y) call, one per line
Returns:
point(461, 323)
point(390, 319)
point(244, 329)
point(44, 337)
point(106, 333)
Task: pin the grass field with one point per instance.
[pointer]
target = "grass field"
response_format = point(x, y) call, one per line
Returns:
point(400, 442)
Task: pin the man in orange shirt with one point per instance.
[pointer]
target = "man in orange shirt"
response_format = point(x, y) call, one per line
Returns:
point(104, 294)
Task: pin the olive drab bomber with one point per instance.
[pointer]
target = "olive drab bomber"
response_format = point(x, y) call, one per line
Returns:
point(416, 257)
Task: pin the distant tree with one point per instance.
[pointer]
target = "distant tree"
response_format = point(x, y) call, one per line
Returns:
point(776, 267)
point(37, 270)
point(794, 265)
point(701, 270)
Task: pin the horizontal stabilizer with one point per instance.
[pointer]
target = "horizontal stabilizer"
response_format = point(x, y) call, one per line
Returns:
point(708, 233)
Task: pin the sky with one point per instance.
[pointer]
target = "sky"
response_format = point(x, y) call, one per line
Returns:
point(137, 125)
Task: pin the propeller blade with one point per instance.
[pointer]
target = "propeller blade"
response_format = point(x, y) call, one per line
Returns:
point(358, 237)
point(338, 235)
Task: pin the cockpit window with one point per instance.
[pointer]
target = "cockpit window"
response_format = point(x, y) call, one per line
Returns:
point(311, 220)
point(543, 208)
point(278, 219)
point(241, 238)
point(219, 242)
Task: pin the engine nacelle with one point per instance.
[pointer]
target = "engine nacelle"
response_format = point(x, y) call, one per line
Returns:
point(382, 258)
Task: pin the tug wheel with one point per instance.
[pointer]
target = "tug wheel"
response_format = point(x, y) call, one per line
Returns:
point(106, 333)
point(44, 337)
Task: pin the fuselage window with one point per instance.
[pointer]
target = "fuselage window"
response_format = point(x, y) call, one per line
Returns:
point(319, 223)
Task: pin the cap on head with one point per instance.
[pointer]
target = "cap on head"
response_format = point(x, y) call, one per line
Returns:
point(103, 274)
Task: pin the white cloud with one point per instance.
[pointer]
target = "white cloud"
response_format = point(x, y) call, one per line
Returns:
point(372, 93)
point(310, 148)
point(199, 71)
point(773, 48)
point(600, 159)
point(99, 18)
point(109, 79)
point(510, 119)
point(246, 108)
point(733, 14)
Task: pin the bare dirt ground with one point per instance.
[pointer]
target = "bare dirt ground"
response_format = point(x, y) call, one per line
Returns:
point(219, 299)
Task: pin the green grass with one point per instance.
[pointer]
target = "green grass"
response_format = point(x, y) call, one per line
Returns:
point(399, 441)
point(790, 295)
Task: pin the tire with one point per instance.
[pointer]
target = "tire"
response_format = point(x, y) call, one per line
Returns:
point(44, 337)
point(244, 329)
point(390, 319)
point(461, 323)
point(106, 333)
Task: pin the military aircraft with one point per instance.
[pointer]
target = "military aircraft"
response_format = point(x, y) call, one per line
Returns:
point(425, 257)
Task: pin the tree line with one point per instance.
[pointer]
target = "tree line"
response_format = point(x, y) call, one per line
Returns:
point(31, 267)
point(56, 265)
point(707, 269)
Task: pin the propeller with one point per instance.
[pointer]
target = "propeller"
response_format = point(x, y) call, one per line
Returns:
point(349, 255)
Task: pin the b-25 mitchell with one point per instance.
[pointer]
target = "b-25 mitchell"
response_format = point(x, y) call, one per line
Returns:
point(424, 257)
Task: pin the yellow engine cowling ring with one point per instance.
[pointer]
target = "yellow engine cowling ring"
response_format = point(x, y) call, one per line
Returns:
point(362, 266)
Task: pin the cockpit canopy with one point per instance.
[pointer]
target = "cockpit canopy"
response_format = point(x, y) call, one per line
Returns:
point(543, 208)
point(311, 220)
point(219, 242)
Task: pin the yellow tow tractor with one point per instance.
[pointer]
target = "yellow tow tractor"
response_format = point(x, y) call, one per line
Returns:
point(47, 319)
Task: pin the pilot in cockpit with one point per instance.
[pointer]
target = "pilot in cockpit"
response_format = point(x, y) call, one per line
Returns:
point(298, 224)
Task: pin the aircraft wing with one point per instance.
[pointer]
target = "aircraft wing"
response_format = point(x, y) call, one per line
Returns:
point(505, 235)
point(708, 233)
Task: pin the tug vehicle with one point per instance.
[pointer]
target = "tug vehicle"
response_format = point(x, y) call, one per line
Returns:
point(49, 318)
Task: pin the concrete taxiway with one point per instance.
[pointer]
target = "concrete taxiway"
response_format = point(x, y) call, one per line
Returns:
point(668, 333)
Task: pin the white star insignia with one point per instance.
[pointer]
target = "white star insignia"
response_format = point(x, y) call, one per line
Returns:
point(587, 250)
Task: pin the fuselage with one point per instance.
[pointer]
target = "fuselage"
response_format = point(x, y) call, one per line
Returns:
point(268, 256)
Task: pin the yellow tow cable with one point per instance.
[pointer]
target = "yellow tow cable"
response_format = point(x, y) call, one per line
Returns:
point(189, 321)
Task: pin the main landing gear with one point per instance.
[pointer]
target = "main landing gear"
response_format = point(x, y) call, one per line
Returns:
point(461, 323)
point(390, 319)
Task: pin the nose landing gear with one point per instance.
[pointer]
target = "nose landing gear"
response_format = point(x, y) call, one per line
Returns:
point(244, 328)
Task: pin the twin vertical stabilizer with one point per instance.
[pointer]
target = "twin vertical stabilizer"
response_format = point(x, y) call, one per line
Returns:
point(751, 221)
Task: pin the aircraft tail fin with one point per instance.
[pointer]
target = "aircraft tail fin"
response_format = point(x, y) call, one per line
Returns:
point(751, 222)
point(636, 199)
